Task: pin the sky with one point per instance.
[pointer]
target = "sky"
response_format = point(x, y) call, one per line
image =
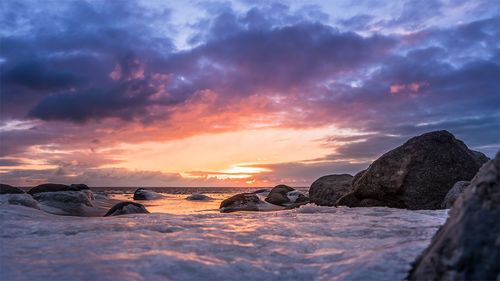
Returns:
point(237, 93)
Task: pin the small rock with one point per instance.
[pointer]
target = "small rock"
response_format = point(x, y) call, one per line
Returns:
point(125, 208)
point(145, 194)
point(198, 197)
point(240, 202)
point(283, 195)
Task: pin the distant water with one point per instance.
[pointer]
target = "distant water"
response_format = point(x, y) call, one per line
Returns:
point(186, 190)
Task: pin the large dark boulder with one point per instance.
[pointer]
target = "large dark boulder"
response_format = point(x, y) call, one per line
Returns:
point(326, 190)
point(467, 246)
point(416, 175)
point(52, 187)
point(125, 208)
point(8, 189)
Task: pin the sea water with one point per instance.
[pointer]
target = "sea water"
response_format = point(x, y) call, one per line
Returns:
point(191, 240)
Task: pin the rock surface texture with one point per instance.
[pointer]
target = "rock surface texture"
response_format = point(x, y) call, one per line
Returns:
point(326, 190)
point(416, 175)
point(452, 195)
point(467, 246)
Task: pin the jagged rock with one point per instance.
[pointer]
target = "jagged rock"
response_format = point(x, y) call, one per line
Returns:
point(326, 190)
point(125, 208)
point(452, 195)
point(8, 189)
point(467, 246)
point(416, 175)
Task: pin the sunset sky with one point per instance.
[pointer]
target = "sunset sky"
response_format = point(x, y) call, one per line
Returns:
point(237, 93)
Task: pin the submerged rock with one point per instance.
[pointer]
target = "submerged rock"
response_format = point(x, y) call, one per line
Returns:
point(52, 187)
point(72, 203)
point(198, 197)
point(145, 194)
point(22, 199)
point(8, 189)
point(467, 246)
point(452, 195)
point(416, 175)
point(326, 190)
point(283, 195)
point(125, 208)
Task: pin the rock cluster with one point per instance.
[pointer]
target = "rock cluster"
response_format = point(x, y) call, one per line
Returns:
point(279, 198)
point(416, 175)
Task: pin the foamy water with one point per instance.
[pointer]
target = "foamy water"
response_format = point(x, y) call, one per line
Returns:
point(189, 240)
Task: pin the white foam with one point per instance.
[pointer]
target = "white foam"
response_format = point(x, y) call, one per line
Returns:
point(308, 243)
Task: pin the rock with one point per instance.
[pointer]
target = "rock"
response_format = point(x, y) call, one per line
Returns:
point(285, 196)
point(357, 177)
point(79, 186)
point(8, 189)
point(145, 194)
point(51, 187)
point(22, 199)
point(452, 195)
point(326, 190)
point(125, 208)
point(467, 246)
point(198, 197)
point(416, 175)
point(72, 203)
point(240, 202)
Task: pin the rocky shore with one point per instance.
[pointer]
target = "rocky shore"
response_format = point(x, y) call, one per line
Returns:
point(428, 172)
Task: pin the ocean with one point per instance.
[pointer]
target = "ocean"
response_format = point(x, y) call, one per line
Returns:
point(191, 240)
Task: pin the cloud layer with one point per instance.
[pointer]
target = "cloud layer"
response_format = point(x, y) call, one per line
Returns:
point(88, 77)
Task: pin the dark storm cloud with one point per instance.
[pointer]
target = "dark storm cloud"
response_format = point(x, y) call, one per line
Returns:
point(36, 76)
point(125, 101)
point(72, 46)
